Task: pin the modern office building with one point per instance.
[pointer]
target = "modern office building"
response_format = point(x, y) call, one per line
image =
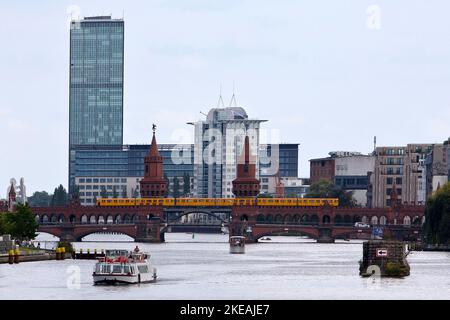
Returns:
point(108, 171)
point(347, 170)
point(96, 84)
point(218, 141)
point(278, 161)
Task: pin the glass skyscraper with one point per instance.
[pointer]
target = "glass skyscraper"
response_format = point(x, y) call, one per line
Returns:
point(96, 83)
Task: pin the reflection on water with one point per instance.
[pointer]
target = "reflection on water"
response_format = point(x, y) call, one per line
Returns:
point(200, 267)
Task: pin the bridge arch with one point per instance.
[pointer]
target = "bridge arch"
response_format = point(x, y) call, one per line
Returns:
point(92, 219)
point(287, 219)
point(278, 219)
point(356, 218)
point(326, 219)
point(416, 221)
point(118, 219)
point(211, 214)
point(296, 219)
point(260, 218)
point(45, 219)
point(72, 218)
point(244, 217)
point(269, 218)
point(84, 219)
point(101, 220)
point(290, 232)
point(61, 218)
point(81, 235)
point(407, 220)
point(305, 218)
point(383, 220)
point(37, 219)
point(54, 218)
point(109, 219)
point(127, 219)
point(374, 220)
point(364, 219)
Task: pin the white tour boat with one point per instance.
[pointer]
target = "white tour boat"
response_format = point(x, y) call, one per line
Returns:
point(123, 267)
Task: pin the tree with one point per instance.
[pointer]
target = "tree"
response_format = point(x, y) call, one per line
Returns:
point(135, 193)
point(103, 193)
point(176, 187)
point(186, 184)
point(264, 195)
point(21, 224)
point(114, 193)
point(59, 197)
point(39, 199)
point(326, 189)
point(437, 216)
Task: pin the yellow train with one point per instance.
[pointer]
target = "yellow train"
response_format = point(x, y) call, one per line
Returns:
point(219, 202)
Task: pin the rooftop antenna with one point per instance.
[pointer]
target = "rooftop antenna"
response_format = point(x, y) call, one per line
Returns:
point(233, 102)
point(220, 103)
point(374, 143)
point(204, 114)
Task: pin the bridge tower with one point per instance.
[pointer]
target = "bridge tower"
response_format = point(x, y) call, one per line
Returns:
point(245, 186)
point(153, 185)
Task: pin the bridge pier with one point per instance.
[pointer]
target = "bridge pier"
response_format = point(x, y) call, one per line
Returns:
point(325, 235)
point(149, 232)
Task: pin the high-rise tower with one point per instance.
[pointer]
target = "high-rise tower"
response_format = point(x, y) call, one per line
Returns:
point(96, 84)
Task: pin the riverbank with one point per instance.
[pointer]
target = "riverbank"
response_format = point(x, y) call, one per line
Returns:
point(42, 255)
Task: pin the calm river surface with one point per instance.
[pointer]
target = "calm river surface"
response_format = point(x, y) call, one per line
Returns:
point(202, 268)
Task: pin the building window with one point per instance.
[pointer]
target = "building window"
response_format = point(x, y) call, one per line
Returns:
point(389, 181)
point(398, 180)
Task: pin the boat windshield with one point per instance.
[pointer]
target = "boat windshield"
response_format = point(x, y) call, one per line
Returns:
point(116, 253)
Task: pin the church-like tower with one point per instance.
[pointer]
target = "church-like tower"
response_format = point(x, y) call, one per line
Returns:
point(12, 198)
point(246, 184)
point(154, 185)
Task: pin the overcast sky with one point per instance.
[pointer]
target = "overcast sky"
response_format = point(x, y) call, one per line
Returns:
point(327, 74)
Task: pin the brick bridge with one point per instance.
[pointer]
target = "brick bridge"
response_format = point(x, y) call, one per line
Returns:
point(149, 224)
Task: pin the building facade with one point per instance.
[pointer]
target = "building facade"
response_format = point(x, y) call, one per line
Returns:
point(96, 84)
point(108, 171)
point(351, 174)
point(437, 167)
point(277, 161)
point(400, 168)
point(218, 140)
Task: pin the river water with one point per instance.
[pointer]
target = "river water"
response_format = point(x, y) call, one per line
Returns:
point(201, 268)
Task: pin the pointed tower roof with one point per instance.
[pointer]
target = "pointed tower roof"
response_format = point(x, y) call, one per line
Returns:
point(12, 192)
point(246, 184)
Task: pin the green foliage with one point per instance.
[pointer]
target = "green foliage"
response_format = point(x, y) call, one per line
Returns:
point(326, 189)
point(67, 245)
point(20, 224)
point(103, 193)
point(186, 184)
point(136, 193)
point(39, 199)
point(394, 269)
point(115, 195)
point(60, 197)
point(176, 187)
point(264, 195)
point(437, 216)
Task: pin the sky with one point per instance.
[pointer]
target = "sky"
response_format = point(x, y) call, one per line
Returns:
point(329, 75)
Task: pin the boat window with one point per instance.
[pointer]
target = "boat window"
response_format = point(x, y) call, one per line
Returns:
point(117, 268)
point(98, 268)
point(143, 269)
point(106, 268)
point(126, 269)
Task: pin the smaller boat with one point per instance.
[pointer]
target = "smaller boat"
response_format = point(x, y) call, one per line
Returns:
point(123, 267)
point(266, 239)
point(237, 244)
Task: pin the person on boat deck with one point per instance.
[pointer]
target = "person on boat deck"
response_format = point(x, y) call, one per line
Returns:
point(136, 249)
